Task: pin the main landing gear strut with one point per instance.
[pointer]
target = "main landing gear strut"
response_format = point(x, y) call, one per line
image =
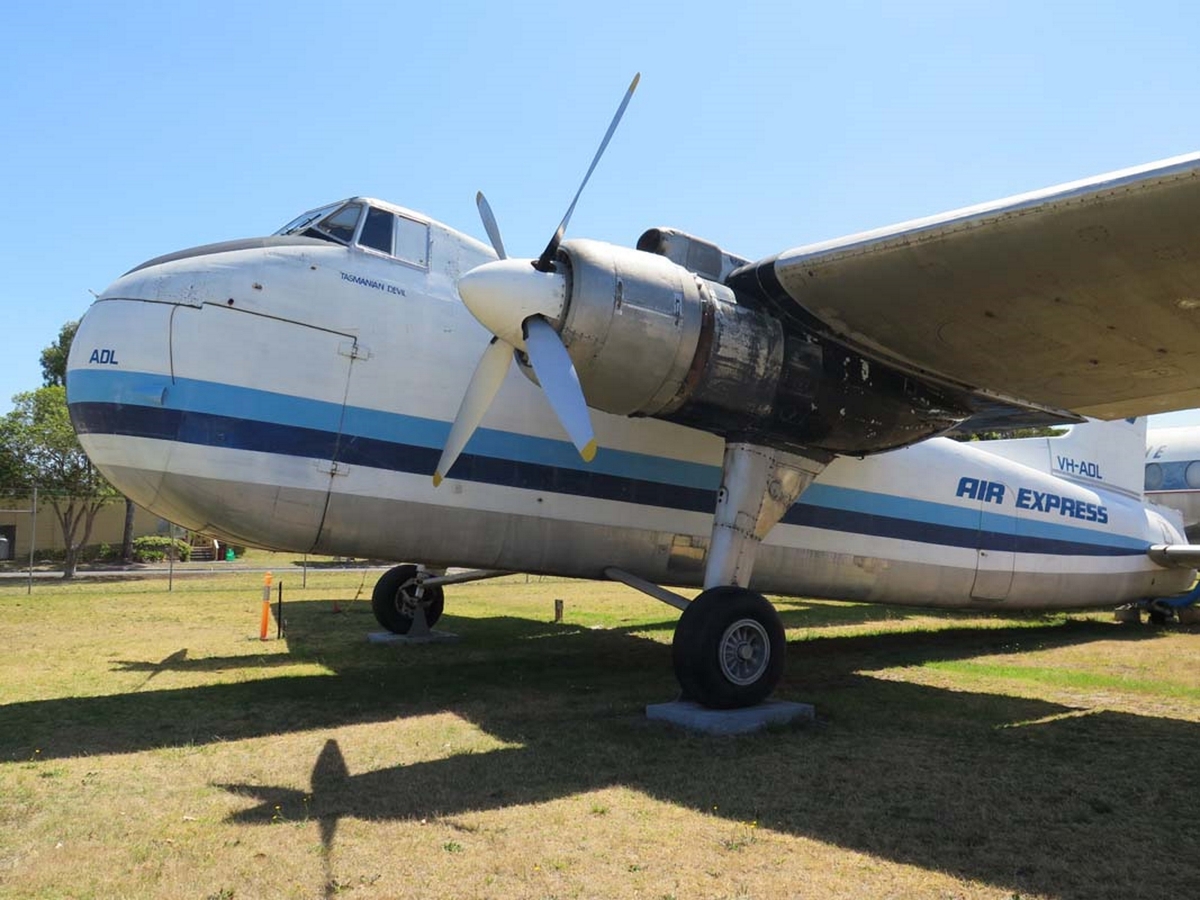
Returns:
point(729, 645)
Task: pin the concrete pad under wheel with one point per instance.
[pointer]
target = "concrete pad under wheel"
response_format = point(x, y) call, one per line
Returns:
point(429, 637)
point(695, 717)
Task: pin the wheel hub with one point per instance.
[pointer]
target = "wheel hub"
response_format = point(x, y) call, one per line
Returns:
point(408, 597)
point(744, 652)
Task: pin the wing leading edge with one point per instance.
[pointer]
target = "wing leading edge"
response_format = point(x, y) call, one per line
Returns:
point(1083, 297)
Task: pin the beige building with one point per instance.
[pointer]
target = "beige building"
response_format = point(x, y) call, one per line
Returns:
point(17, 526)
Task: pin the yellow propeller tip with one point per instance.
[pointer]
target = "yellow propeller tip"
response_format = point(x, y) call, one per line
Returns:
point(437, 479)
point(589, 452)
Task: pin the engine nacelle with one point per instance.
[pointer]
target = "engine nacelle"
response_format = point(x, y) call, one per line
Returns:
point(648, 337)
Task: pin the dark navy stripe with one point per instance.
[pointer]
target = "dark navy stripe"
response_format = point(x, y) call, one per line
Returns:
point(854, 522)
point(267, 437)
point(217, 399)
point(228, 432)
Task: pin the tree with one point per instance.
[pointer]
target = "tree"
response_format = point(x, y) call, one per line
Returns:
point(11, 470)
point(54, 374)
point(1010, 434)
point(54, 357)
point(38, 435)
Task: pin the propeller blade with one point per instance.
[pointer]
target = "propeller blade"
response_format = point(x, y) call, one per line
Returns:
point(489, 225)
point(545, 262)
point(486, 381)
point(559, 381)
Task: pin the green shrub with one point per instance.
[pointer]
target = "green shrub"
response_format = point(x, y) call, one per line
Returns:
point(99, 553)
point(154, 548)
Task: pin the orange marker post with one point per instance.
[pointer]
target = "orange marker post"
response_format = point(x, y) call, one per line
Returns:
point(266, 608)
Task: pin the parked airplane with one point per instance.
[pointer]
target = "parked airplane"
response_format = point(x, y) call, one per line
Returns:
point(298, 391)
point(1173, 472)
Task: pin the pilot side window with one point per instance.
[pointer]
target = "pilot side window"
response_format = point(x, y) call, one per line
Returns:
point(412, 242)
point(377, 230)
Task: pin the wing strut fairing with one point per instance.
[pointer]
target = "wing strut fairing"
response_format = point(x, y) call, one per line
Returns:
point(1175, 556)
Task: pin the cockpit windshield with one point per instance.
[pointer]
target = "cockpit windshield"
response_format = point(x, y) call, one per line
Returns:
point(337, 226)
point(393, 234)
point(302, 221)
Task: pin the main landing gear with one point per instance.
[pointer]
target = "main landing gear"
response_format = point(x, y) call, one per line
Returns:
point(729, 647)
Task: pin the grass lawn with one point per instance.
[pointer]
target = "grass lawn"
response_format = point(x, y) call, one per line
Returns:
point(152, 746)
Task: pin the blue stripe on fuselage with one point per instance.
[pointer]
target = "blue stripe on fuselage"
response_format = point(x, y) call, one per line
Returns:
point(194, 412)
point(216, 399)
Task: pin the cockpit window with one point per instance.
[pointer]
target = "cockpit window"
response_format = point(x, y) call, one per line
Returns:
point(396, 235)
point(340, 225)
point(412, 242)
point(301, 222)
point(377, 230)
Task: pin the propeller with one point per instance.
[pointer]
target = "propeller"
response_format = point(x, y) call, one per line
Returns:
point(489, 224)
point(560, 383)
point(545, 262)
point(517, 300)
point(489, 375)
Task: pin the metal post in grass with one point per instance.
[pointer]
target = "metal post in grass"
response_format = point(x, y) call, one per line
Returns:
point(279, 613)
point(304, 576)
point(171, 550)
point(32, 538)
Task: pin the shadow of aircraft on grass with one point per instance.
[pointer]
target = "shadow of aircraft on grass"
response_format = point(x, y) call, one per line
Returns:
point(1060, 799)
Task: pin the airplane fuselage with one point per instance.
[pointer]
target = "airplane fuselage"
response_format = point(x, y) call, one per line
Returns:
point(1173, 473)
point(294, 393)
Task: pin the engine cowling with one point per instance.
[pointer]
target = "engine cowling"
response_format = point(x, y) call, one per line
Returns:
point(648, 337)
point(642, 331)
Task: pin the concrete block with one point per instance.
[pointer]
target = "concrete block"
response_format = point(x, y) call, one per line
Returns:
point(432, 636)
point(695, 717)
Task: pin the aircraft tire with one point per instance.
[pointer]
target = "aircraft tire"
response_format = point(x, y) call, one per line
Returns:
point(393, 600)
point(729, 648)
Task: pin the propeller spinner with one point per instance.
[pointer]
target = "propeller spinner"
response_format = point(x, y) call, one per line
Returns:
point(516, 300)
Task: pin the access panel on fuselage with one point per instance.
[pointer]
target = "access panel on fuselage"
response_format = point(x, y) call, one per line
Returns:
point(996, 555)
point(263, 403)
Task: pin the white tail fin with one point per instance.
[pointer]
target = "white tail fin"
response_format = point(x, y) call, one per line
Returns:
point(1107, 454)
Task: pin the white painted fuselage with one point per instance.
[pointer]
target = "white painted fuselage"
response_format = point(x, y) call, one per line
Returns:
point(295, 394)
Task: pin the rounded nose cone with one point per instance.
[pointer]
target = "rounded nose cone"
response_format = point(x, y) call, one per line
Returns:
point(504, 293)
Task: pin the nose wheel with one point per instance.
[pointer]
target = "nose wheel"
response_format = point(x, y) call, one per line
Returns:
point(729, 648)
point(397, 595)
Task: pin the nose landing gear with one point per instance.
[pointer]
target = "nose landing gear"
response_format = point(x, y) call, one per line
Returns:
point(398, 594)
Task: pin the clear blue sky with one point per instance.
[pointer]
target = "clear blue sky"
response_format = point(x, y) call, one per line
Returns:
point(131, 129)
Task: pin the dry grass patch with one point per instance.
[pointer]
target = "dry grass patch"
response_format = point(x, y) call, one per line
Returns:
point(150, 748)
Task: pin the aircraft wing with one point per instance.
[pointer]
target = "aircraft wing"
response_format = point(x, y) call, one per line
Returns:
point(1082, 298)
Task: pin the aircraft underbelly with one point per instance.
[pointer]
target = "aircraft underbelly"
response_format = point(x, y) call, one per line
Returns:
point(394, 516)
